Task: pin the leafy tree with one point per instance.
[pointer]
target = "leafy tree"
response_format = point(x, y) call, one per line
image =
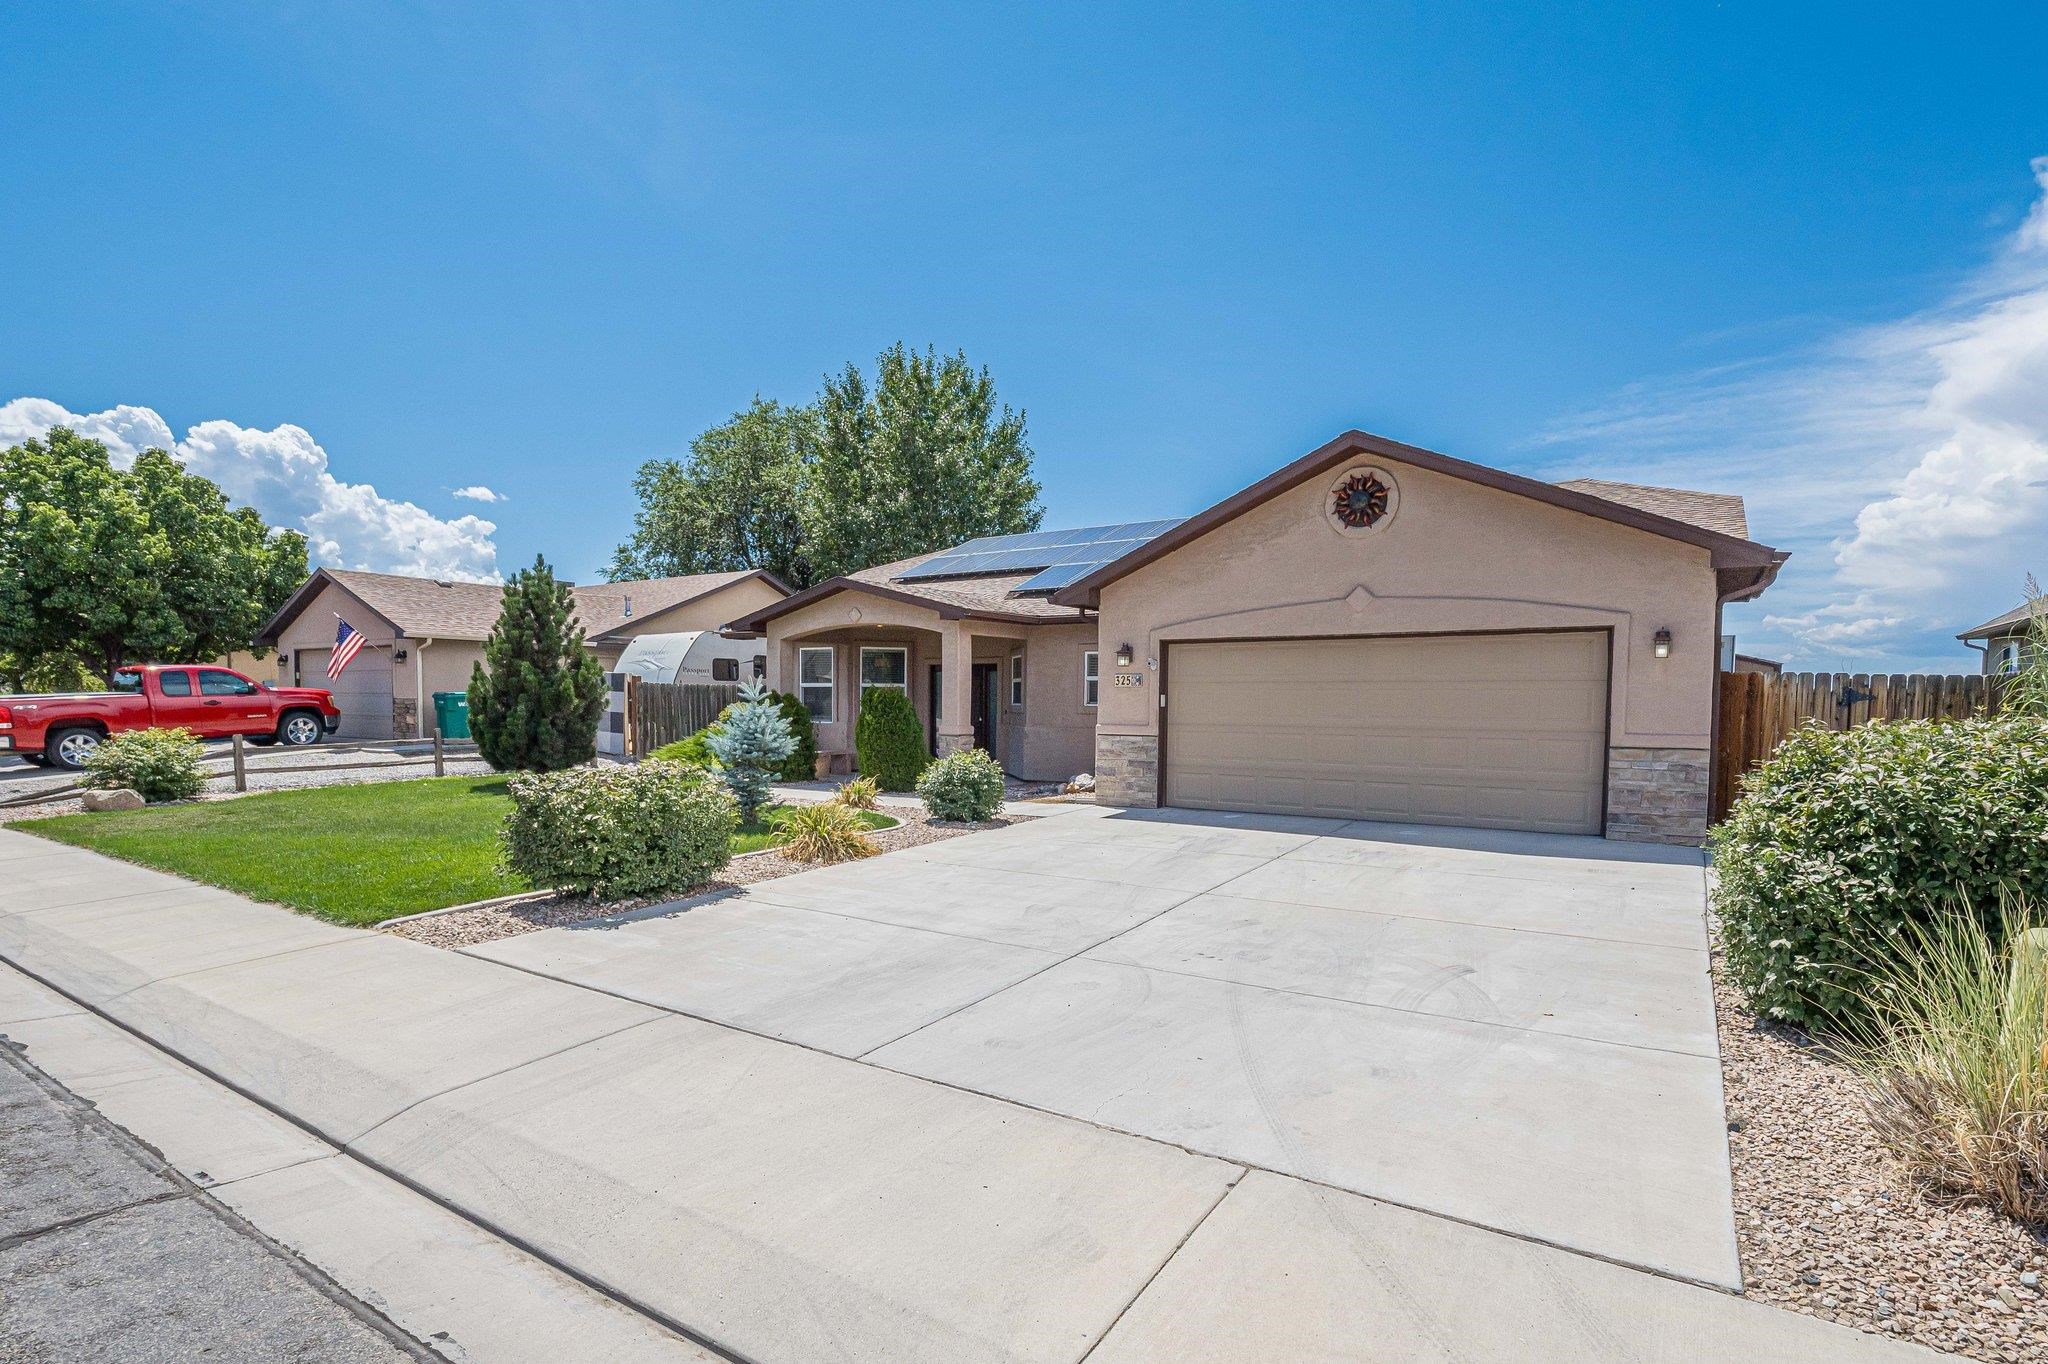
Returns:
point(535, 699)
point(923, 459)
point(102, 566)
point(888, 740)
point(732, 505)
point(751, 742)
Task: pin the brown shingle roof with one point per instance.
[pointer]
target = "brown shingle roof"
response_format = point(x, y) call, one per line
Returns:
point(1720, 512)
point(2010, 623)
point(989, 595)
point(429, 608)
point(602, 606)
point(425, 607)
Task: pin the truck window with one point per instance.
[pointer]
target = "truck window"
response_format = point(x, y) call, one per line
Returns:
point(127, 680)
point(214, 682)
point(175, 684)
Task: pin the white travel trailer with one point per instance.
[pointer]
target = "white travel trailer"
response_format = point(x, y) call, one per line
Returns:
point(691, 656)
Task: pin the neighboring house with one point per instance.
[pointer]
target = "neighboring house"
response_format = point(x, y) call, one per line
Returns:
point(1375, 631)
point(1750, 663)
point(2004, 639)
point(424, 635)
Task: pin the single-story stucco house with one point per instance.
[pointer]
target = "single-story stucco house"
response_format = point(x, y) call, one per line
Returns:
point(1374, 631)
point(423, 635)
point(2003, 640)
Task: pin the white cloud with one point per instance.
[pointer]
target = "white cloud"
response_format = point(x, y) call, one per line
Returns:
point(283, 473)
point(1905, 464)
point(477, 492)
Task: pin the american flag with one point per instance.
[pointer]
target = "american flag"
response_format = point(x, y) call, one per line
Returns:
point(347, 644)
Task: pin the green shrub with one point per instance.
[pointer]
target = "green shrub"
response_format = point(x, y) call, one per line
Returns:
point(1842, 842)
point(826, 832)
point(802, 763)
point(888, 740)
point(156, 764)
point(859, 794)
point(694, 751)
point(618, 831)
point(966, 786)
point(1954, 1056)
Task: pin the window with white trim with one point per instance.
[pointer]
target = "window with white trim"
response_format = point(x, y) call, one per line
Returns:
point(885, 668)
point(814, 674)
point(1091, 678)
point(1016, 681)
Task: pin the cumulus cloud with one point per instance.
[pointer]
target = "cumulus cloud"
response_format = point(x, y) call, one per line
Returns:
point(477, 492)
point(283, 473)
point(1905, 464)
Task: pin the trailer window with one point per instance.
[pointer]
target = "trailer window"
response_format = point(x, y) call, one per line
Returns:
point(725, 670)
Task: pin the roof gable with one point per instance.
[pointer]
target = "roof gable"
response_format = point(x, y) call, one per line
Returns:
point(1744, 566)
point(2015, 621)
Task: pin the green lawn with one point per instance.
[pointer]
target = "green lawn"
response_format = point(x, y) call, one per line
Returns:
point(352, 854)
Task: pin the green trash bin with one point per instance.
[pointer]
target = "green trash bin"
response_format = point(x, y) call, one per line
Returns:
point(451, 714)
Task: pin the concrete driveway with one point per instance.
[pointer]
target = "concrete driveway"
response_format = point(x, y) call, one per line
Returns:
point(1510, 1030)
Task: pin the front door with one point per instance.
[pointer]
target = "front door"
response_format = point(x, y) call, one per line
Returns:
point(984, 713)
point(985, 707)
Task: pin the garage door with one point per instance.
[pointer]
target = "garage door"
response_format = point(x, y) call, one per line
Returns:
point(363, 691)
point(1493, 731)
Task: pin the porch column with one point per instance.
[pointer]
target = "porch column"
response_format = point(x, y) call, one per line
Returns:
point(956, 686)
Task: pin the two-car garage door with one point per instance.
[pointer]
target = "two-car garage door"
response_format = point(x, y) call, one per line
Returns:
point(1504, 731)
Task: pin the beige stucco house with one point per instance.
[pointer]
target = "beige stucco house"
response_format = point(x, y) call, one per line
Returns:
point(1374, 631)
point(2005, 640)
point(424, 635)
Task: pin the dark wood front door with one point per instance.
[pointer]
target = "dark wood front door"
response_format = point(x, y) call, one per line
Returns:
point(983, 716)
point(985, 707)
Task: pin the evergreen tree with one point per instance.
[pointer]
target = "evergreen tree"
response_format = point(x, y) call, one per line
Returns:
point(751, 743)
point(535, 700)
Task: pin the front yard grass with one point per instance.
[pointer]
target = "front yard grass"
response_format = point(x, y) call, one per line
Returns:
point(351, 854)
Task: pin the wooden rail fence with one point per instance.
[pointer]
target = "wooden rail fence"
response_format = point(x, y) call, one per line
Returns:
point(1759, 712)
point(660, 713)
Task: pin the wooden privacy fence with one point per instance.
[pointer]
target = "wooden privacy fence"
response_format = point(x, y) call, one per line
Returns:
point(1759, 712)
point(660, 713)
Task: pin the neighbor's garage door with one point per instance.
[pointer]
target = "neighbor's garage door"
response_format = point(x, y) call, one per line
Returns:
point(1495, 731)
point(363, 691)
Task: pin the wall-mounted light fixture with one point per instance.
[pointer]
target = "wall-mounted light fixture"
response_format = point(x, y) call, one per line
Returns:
point(398, 655)
point(1123, 655)
point(1660, 644)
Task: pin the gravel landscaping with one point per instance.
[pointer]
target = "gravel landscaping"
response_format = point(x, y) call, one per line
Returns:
point(468, 927)
point(1826, 1227)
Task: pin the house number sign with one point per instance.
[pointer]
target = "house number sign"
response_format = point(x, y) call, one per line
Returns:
point(1128, 680)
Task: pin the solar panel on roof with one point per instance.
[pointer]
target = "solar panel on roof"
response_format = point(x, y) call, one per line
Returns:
point(1069, 553)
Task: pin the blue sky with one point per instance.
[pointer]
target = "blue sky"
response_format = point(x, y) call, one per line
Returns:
point(354, 258)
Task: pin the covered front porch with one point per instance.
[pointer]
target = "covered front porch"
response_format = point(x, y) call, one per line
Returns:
point(955, 672)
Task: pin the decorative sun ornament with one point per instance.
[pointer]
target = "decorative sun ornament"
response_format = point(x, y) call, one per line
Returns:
point(1361, 500)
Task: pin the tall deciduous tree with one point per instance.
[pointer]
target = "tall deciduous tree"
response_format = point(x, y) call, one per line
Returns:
point(732, 505)
point(101, 566)
point(535, 699)
point(925, 458)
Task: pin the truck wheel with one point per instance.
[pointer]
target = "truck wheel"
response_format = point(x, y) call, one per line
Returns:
point(298, 729)
point(71, 748)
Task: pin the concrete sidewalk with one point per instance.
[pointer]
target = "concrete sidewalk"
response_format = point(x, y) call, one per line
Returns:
point(781, 1203)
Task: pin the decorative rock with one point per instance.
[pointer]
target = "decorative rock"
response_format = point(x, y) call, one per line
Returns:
point(120, 798)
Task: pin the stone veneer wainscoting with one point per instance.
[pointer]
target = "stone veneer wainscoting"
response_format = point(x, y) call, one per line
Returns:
point(1127, 770)
point(1658, 795)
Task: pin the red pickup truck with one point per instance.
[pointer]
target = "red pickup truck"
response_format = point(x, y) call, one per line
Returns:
point(63, 730)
